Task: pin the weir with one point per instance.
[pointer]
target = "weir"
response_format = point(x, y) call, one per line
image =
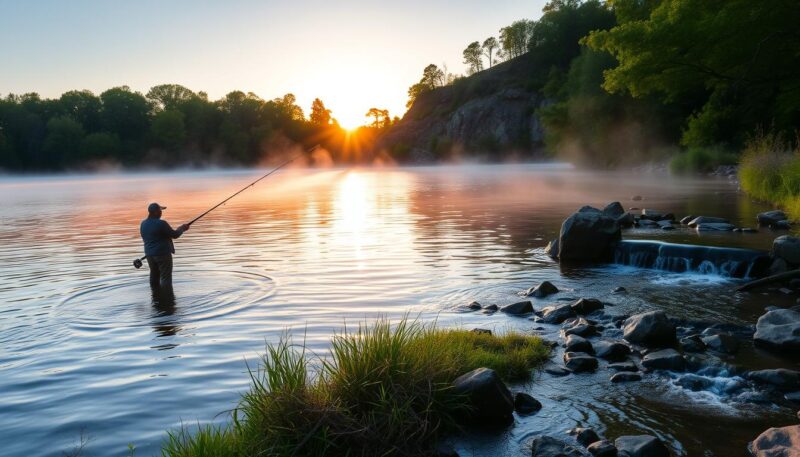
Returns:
point(679, 258)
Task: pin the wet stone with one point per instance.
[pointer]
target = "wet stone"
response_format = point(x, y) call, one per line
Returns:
point(619, 290)
point(474, 306)
point(542, 290)
point(584, 436)
point(611, 350)
point(526, 404)
point(722, 342)
point(623, 366)
point(482, 331)
point(523, 307)
point(602, 448)
point(556, 370)
point(581, 327)
point(586, 306)
point(665, 359)
point(576, 343)
point(556, 314)
point(641, 446)
point(693, 343)
point(625, 376)
point(547, 446)
point(580, 362)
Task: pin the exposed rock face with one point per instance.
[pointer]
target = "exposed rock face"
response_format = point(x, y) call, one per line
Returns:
point(489, 110)
point(523, 307)
point(652, 328)
point(488, 396)
point(779, 330)
point(588, 235)
point(547, 446)
point(641, 446)
point(770, 217)
point(777, 442)
point(787, 248)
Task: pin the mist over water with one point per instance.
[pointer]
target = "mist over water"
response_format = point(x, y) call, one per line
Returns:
point(308, 251)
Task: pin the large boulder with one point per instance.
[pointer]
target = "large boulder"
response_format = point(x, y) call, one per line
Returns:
point(641, 446)
point(665, 359)
point(588, 235)
point(547, 446)
point(611, 350)
point(575, 343)
point(777, 442)
point(779, 330)
point(556, 314)
point(652, 328)
point(779, 378)
point(770, 217)
point(488, 398)
point(787, 248)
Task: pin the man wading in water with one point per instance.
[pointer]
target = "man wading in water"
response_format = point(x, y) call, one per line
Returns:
point(157, 236)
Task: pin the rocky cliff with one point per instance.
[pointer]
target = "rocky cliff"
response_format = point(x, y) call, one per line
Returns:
point(487, 115)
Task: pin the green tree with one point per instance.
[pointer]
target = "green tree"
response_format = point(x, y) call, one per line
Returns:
point(432, 77)
point(100, 145)
point(168, 129)
point(734, 63)
point(319, 114)
point(63, 142)
point(288, 104)
point(490, 45)
point(83, 106)
point(169, 96)
point(125, 113)
point(514, 38)
point(473, 57)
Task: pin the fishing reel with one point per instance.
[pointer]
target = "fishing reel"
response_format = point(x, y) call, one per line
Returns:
point(137, 263)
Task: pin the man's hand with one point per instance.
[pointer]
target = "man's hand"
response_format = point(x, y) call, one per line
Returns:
point(184, 228)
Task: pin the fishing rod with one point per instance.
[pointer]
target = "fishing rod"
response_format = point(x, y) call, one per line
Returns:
point(138, 262)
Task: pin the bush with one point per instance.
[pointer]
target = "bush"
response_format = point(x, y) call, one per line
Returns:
point(700, 160)
point(770, 171)
point(384, 390)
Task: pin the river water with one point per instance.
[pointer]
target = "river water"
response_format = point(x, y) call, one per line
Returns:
point(86, 356)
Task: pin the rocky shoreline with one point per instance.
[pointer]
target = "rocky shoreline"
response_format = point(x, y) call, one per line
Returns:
point(687, 353)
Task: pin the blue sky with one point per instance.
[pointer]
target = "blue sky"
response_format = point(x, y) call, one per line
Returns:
point(353, 54)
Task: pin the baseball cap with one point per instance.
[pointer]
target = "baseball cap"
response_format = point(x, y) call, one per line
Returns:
point(153, 207)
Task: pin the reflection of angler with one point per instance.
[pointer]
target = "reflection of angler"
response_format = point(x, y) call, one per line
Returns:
point(158, 235)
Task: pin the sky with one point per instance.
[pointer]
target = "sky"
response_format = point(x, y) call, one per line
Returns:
point(352, 54)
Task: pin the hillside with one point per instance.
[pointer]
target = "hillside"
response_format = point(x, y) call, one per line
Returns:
point(486, 115)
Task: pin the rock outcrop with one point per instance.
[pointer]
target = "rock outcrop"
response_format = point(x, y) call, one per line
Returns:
point(588, 235)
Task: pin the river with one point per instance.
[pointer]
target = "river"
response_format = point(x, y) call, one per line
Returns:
point(85, 353)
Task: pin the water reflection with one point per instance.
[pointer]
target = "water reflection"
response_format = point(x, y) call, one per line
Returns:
point(165, 323)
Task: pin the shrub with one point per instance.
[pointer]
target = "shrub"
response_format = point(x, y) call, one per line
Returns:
point(384, 390)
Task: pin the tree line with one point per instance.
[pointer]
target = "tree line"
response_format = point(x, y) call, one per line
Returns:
point(167, 126)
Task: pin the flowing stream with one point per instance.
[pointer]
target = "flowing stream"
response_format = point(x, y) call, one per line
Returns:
point(86, 356)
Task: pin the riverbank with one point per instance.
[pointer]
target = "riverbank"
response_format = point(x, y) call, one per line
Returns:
point(770, 171)
point(385, 390)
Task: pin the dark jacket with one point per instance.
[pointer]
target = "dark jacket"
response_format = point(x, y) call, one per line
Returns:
point(157, 236)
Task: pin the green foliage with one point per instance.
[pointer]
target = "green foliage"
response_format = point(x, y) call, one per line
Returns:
point(63, 141)
point(473, 57)
point(770, 171)
point(701, 159)
point(514, 38)
point(384, 390)
point(168, 129)
point(100, 145)
point(432, 77)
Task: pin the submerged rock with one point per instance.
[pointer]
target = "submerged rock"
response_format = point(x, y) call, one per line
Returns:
point(602, 448)
point(547, 446)
point(652, 328)
point(781, 225)
point(665, 359)
point(523, 307)
point(686, 220)
point(779, 330)
point(707, 220)
point(588, 235)
point(777, 442)
point(770, 217)
point(625, 376)
point(552, 249)
point(579, 362)
point(715, 227)
point(641, 446)
point(556, 370)
point(474, 306)
point(542, 290)
point(619, 290)
point(489, 398)
point(787, 248)
point(556, 314)
point(526, 404)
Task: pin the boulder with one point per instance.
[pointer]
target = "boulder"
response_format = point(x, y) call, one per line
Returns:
point(781, 225)
point(770, 217)
point(641, 446)
point(490, 309)
point(652, 328)
point(542, 290)
point(625, 376)
point(779, 330)
point(715, 227)
point(623, 366)
point(779, 378)
point(787, 248)
point(556, 314)
point(777, 442)
point(525, 404)
point(614, 210)
point(586, 305)
point(611, 350)
point(523, 307)
point(488, 397)
point(722, 342)
point(581, 327)
point(579, 362)
point(692, 343)
point(588, 235)
point(602, 448)
point(547, 446)
point(665, 359)
point(707, 220)
point(576, 343)
point(584, 436)
point(651, 215)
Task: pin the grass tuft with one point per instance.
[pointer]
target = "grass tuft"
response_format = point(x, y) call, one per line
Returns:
point(385, 390)
point(770, 171)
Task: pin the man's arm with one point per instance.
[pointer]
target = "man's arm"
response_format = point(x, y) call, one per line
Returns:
point(174, 233)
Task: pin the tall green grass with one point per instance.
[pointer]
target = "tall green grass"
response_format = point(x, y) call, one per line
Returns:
point(770, 171)
point(385, 390)
point(700, 160)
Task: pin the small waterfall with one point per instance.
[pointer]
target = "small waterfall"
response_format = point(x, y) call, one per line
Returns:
point(680, 258)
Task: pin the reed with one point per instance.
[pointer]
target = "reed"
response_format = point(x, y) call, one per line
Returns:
point(770, 171)
point(384, 390)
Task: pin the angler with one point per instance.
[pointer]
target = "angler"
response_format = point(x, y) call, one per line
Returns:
point(157, 235)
